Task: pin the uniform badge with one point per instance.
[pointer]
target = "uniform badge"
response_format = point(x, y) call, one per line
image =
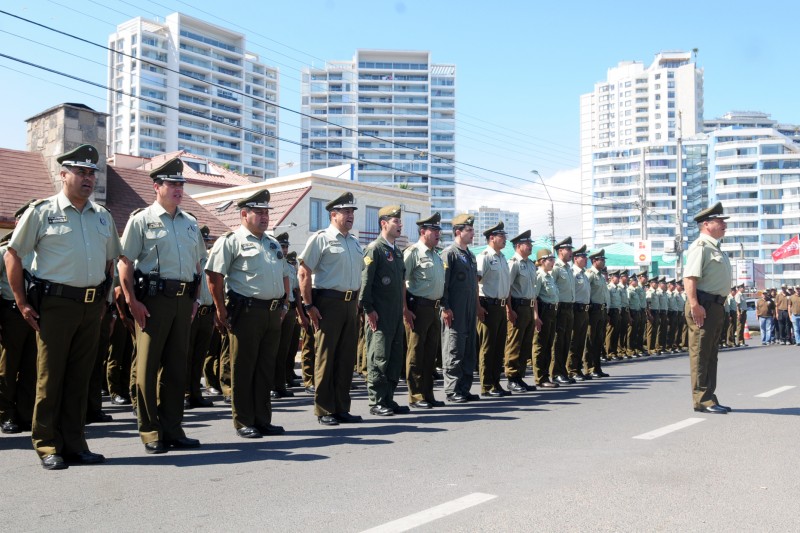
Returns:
point(103, 221)
point(463, 258)
point(367, 260)
point(386, 280)
point(154, 225)
point(389, 255)
point(248, 246)
point(193, 228)
point(57, 220)
point(280, 255)
point(273, 246)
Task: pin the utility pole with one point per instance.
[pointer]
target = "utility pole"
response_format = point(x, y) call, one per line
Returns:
point(551, 217)
point(679, 201)
point(643, 198)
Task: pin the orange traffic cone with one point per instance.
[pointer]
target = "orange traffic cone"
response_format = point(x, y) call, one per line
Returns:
point(746, 334)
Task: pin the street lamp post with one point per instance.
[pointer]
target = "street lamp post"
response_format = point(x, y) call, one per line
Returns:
point(550, 214)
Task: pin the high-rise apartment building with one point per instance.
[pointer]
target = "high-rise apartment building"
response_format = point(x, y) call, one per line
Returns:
point(393, 112)
point(633, 126)
point(486, 217)
point(195, 87)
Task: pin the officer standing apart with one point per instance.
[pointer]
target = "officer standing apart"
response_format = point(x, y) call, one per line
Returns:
point(706, 276)
point(494, 287)
point(335, 258)
point(565, 281)
point(459, 312)
point(250, 264)
point(519, 338)
point(580, 315)
point(75, 241)
point(383, 298)
point(160, 274)
point(424, 297)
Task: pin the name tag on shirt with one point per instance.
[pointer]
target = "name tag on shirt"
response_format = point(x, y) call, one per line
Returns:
point(57, 220)
point(155, 225)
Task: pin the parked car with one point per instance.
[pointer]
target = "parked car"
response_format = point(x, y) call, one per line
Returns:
point(752, 318)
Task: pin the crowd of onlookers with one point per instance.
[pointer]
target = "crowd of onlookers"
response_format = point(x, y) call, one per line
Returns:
point(778, 312)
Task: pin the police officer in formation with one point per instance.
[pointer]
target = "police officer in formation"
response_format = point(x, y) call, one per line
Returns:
point(160, 266)
point(519, 337)
point(547, 309)
point(75, 243)
point(425, 297)
point(598, 307)
point(580, 316)
point(565, 282)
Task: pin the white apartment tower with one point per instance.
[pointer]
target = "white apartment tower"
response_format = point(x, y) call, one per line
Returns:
point(631, 125)
point(195, 87)
point(393, 112)
point(487, 217)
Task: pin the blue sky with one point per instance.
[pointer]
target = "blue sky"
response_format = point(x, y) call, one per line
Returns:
point(521, 66)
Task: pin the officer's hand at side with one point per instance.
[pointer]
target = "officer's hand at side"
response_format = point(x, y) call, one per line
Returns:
point(302, 319)
point(221, 320)
point(447, 317)
point(512, 316)
point(30, 316)
point(139, 312)
point(699, 315)
point(481, 313)
point(538, 322)
point(195, 307)
point(408, 318)
point(372, 320)
point(313, 314)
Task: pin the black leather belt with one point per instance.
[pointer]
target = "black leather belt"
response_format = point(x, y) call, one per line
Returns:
point(176, 287)
point(597, 307)
point(524, 302)
point(336, 295)
point(706, 298)
point(628, 309)
point(613, 310)
point(7, 304)
point(426, 302)
point(86, 295)
point(203, 310)
point(492, 301)
point(581, 307)
point(545, 306)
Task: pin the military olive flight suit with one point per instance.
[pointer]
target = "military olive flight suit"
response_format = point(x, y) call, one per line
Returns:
point(459, 341)
point(424, 294)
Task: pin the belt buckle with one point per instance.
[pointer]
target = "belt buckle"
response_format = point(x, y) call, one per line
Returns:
point(503, 302)
point(182, 290)
point(273, 305)
point(436, 304)
point(348, 295)
point(533, 302)
point(203, 311)
point(88, 297)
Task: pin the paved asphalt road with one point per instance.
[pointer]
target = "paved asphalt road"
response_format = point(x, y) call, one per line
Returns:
point(563, 460)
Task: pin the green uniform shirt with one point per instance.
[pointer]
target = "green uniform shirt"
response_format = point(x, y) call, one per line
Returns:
point(72, 247)
point(424, 272)
point(710, 265)
point(583, 290)
point(623, 296)
point(382, 279)
point(153, 240)
point(642, 295)
point(522, 273)
point(615, 301)
point(652, 299)
point(633, 298)
point(562, 273)
point(546, 289)
point(290, 271)
point(599, 290)
point(335, 260)
point(741, 302)
point(252, 267)
point(494, 279)
point(205, 294)
point(663, 301)
point(5, 288)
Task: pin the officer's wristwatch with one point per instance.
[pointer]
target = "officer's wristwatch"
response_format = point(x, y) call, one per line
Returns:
point(306, 307)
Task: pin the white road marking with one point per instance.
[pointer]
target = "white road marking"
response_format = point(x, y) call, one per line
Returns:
point(660, 432)
point(434, 513)
point(773, 392)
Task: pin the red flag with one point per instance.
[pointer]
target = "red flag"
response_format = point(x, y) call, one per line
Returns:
point(787, 249)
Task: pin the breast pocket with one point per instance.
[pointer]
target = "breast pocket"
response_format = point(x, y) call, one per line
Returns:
point(154, 234)
point(250, 259)
point(336, 250)
point(425, 270)
point(55, 230)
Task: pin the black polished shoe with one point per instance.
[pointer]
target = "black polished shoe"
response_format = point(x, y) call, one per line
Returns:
point(9, 427)
point(226, 399)
point(725, 407)
point(84, 458)
point(515, 386)
point(711, 409)
point(202, 402)
point(347, 418)
point(53, 462)
point(273, 395)
point(603, 358)
point(596, 375)
point(310, 389)
point(381, 410)
point(437, 376)
point(186, 404)
point(117, 399)
point(248, 432)
point(578, 376)
point(436, 403)
point(95, 417)
point(283, 393)
point(155, 447)
point(270, 429)
point(400, 409)
point(213, 391)
point(472, 397)
point(547, 384)
point(183, 443)
point(456, 398)
point(328, 420)
point(561, 380)
point(502, 391)
point(492, 394)
point(422, 404)
point(353, 386)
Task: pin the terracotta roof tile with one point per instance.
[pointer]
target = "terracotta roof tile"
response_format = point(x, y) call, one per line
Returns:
point(26, 177)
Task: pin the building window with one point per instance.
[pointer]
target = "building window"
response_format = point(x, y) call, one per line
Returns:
point(318, 215)
point(372, 226)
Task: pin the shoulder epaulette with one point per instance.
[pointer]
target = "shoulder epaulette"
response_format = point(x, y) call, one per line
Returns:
point(37, 202)
point(190, 215)
point(701, 243)
point(226, 235)
point(137, 211)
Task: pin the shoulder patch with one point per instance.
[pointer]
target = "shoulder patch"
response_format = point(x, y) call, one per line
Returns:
point(701, 243)
point(137, 211)
point(367, 260)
